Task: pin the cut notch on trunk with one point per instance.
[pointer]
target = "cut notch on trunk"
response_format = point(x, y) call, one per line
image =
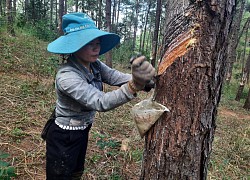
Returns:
point(179, 46)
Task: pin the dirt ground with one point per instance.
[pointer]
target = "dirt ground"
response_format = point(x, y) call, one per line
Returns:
point(26, 102)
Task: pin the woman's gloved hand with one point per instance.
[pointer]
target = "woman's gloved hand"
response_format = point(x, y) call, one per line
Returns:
point(142, 73)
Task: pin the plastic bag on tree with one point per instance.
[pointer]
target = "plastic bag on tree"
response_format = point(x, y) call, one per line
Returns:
point(146, 113)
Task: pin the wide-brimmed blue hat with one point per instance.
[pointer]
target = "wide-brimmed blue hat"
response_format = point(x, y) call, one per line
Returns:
point(79, 29)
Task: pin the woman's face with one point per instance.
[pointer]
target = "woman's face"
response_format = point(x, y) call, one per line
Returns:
point(90, 52)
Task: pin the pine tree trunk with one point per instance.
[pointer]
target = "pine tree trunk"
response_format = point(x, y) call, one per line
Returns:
point(51, 14)
point(145, 27)
point(60, 14)
point(156, 32)
point(245, 69)
point(178, 146)
point(234, 40)
point(99, 22)
point(76, 1)
point(135, 23)
point(10, 23)
point(247, 102)
point(108, 55)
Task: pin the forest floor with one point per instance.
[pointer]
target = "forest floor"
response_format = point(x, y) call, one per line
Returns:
point(26, 104)
point(115, 148)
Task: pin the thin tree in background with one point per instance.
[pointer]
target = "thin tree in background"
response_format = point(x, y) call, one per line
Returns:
point(108, 55)
point(118, 11)
point(76, 5)
point(247, 101)
point(156, 32)
point(245, 68)
point(51, 14)
point(60, 14)
point(179, 144)
point(142, 47)
point(234, 39)
point(10, 23)
point(99, 21)
point(135, 19)
point(1, 8)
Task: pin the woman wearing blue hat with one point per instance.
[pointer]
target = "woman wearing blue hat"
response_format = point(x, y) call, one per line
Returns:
point(79, 92)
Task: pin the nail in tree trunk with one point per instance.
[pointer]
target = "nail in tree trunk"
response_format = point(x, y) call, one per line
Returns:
point(178, 146)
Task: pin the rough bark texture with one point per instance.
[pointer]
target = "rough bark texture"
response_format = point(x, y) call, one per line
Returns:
point(247, 102)
point(10, 21)
point(244, 77)
point(178, 146)
point(156, 32)
point(234, 39)
point(108, 55)
point(60, 14)
point(245, 69)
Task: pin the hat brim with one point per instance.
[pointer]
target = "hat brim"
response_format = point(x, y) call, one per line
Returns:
point(72, 42)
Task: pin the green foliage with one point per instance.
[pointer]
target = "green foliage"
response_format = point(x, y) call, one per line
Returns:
point(41, 30)
point(6, 171)
point(124, 52)
point(110, 143)
point(48, 66)
point(104, 141)
point(17, 132)
point(115, 176)
point(137, 155)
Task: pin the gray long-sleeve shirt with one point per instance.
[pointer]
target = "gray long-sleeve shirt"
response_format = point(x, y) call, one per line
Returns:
point(80, 95)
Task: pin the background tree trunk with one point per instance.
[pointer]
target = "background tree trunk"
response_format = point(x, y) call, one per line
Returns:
point(178, 146)
point(60, 14)
point(108, 55)
point(77, 5)
point(10, 23)
point(247, 102)
point(245, 69)
point(156, 32)
point(234, 40)
point(244, 77)
point(99, 21)
point(135, 19)
point(142, 49)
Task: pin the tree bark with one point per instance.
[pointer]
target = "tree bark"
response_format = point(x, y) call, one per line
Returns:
point(156, 32)
point(145, 27)
point(178, 146)
point(108, 55)
point(60, 14)
point(234, 40)
point(244, 77)
point(245, 70)
point(77, 5)
point(51, 14)
point(247, 102)
point(135, 23)
point(99, 21)
point(10, 23)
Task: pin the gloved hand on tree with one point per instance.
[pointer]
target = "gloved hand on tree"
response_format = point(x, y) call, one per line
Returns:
point(142, 74)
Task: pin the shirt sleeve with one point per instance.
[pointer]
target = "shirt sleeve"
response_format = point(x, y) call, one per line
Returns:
point(113, 77)
point(73, 85)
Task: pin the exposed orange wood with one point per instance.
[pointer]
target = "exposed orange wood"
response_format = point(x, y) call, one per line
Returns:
point(179, 46)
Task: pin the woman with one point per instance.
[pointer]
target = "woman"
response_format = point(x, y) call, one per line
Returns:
point(79, 92)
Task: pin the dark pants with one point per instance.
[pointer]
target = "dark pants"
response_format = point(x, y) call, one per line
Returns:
point(65, 153)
